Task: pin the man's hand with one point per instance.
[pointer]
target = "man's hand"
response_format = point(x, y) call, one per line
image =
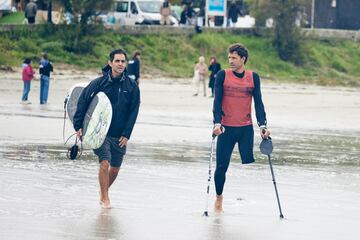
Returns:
point(79, 133)
point(217, 130)
point(264, 133)
point(122, 141)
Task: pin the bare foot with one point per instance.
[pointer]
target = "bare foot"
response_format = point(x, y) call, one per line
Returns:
point(218, 204)
point(105, 204)
point(101, 200)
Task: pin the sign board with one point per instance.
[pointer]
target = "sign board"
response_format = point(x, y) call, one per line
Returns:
point(216, 7)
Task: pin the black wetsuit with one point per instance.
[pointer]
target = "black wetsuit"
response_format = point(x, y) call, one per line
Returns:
point(243, 135)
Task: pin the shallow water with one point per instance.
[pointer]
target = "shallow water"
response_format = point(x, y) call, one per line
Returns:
point(160, 193)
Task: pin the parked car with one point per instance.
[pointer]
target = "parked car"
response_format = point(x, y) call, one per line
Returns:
point(5, 7)
point(131, 12)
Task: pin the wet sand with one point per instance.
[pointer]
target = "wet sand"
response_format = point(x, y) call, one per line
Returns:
point(160, 192)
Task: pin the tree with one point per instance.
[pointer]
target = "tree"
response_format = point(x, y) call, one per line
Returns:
point(287, 35)
point(84, 13)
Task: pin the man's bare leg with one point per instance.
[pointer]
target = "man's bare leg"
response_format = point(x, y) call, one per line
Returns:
point(104, 184)
point(218, 204)
point(113, 174)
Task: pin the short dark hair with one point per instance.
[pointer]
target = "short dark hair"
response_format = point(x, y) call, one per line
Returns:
point(27, 60)
point(44, 55)
point(117, 51)
point(240, 50)
point(136, 53)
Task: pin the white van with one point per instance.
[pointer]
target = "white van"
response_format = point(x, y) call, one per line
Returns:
point(131, 12)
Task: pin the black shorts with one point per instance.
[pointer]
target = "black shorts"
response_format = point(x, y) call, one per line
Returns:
point(111, 151)
point(243, 136)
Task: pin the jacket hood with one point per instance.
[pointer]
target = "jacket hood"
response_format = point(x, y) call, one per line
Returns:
point(106, 69)
point(44, 62)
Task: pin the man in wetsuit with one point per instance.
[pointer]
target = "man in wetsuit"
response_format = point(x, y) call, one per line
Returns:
point(234, 90)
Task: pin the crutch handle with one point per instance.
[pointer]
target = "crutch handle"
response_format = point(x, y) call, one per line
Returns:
point(222, 131)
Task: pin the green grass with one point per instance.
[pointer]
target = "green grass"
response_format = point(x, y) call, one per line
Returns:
point(326, 62)
point(13, 18)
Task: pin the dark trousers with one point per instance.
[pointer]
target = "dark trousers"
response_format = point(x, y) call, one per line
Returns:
point(26, 90)
point(31, 20)
point(44, 88)
point(244, 137)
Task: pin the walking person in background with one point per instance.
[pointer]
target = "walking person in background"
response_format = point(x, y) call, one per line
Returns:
point(44, 69)
point(234, 90)
point(233, 14)
point(27, 76)
point(182, 21)
point(133, 67)
point(30, 12)
point(165, 11)
point(190, 13)
point(214, 67)
point(200, 69)
point(200, 20)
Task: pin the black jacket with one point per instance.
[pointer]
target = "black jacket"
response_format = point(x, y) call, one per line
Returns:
point(233, 13)
point(45, 70)
point(214, 68)
point(124, 95)
point(133, 68)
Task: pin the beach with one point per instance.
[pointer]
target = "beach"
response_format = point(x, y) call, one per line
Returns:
point(160, 192)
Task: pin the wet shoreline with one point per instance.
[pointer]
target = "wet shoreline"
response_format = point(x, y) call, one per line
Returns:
point(160, 192)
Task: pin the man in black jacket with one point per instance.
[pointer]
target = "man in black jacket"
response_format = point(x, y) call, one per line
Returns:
point(134, 67)
point(45, 68)
point(124, 96)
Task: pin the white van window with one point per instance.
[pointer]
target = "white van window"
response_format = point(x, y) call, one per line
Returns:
point(150, 6)
point(133, 8)
point(121, 7)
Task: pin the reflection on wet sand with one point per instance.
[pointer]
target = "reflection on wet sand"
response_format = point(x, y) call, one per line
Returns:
point(217, 229)
point(107, 226)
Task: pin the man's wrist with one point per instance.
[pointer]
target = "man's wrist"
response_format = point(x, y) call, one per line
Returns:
point(262, 127)
point(217, 125)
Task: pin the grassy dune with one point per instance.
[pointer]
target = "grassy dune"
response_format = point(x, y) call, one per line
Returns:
point(327, 62)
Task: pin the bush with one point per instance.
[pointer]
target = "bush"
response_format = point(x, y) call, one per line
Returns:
point(338, 66)
point(287, 38)
point(27, 45)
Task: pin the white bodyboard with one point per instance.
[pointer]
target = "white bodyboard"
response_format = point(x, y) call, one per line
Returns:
point(97, 119)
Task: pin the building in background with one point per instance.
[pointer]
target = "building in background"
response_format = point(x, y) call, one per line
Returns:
point(337, 14)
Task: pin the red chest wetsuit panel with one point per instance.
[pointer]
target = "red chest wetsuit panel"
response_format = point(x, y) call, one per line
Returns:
point(237, 99)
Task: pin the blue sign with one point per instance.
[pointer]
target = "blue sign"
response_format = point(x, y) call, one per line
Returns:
point(216, 7)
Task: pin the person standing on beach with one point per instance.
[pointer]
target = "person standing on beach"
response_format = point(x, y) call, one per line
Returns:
point(234, 90)
point(214, 68)
point(27, 76)
point(133, 67)
point(124, 95)
point(45, 67)
point(200, 69)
